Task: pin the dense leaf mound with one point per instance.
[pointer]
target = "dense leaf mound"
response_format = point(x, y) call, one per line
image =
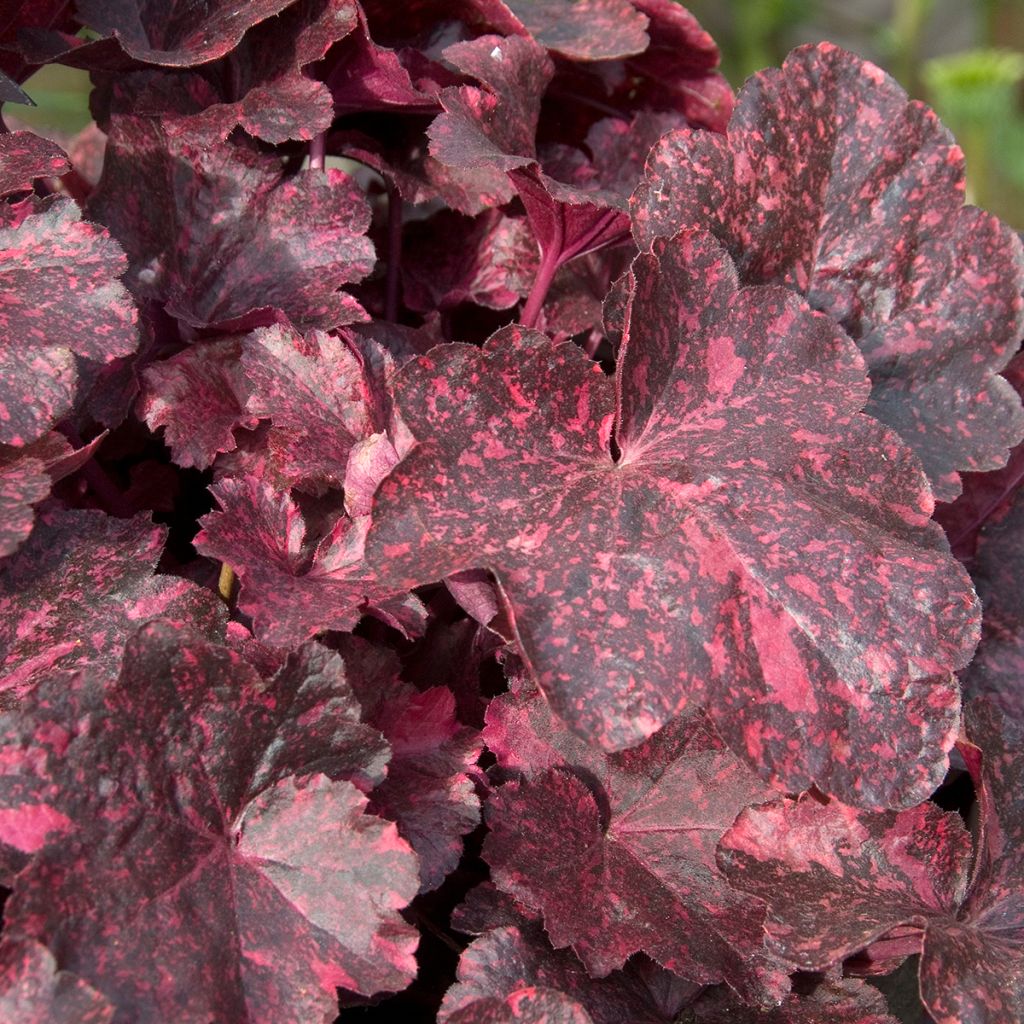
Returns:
point(469, 547)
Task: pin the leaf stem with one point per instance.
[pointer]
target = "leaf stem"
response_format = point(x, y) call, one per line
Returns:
point(394, 252)
point(318, 152)
point(549, 263)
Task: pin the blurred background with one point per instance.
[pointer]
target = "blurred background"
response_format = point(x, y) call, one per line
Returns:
point(963, 57)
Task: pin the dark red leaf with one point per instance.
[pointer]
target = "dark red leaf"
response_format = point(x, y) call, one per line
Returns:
point(486, 131)
point(856, 200)
point(176, 34)
point(507, 959)
point(61, 299)
point(77, 589)
point(448, 259)
point(526, 1006)
point(261, 84)
point(429, 791)
point(997, 670)
point(33, 991)
point(198, 397)
point(749, 493)
point(675, 73)
point(830, 1002)
point(25, 157)
point(224, 237)
point(586, 30)
point(220, 866)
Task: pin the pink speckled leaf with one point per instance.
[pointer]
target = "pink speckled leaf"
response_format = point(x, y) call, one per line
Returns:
point(245, 788)
point(997, 670)
point(61, 298)
point(757, 545)
point(836, 878)
point(26, 475)
point(25, 157)
point(855, 199)
point(218, 232)
point(176, 33)
point(34, 991)
point(75, 591)
point(849, 1001)
point(617, 853)
point(972, 969)
point(198, 397)
point(524, 1006)
point(429, 791)
point(509, 958)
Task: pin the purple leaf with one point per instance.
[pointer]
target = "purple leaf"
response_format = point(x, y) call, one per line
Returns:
point(224, 237)
point(748, 492)
point(856, 201)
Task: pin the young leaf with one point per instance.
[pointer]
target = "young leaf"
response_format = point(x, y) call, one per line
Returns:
point(855, 199)
point(198, 396)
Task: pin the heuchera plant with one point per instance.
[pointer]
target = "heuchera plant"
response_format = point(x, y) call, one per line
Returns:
point(468, 534)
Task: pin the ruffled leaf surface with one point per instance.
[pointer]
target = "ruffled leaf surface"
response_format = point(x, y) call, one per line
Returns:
point(833, 183)
point(757, 545)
